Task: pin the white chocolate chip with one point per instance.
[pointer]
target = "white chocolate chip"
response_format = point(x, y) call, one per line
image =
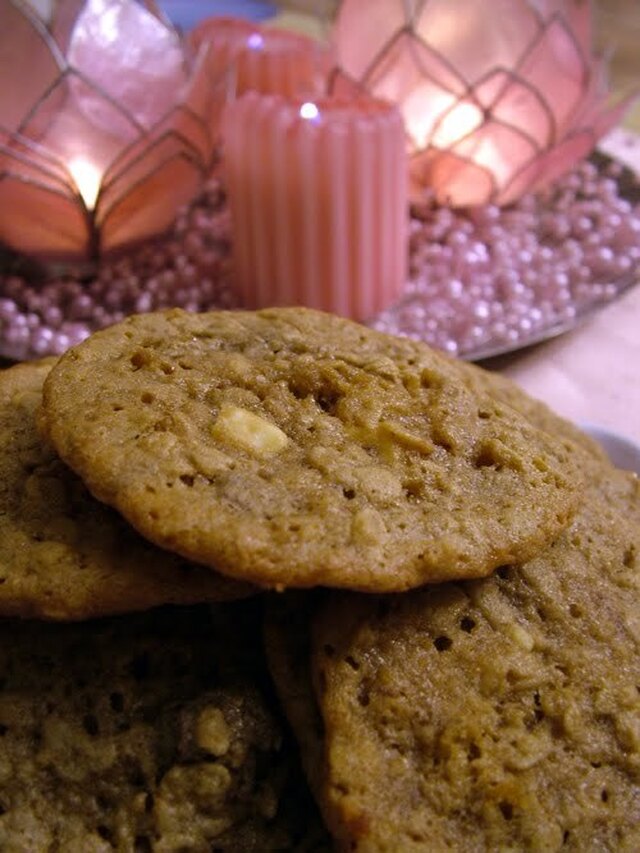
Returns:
point(249, 431)
point(212, 732)
point(521, 637)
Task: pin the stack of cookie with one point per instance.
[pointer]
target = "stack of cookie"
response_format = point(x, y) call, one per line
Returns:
point(449, 574)
point(152, 730)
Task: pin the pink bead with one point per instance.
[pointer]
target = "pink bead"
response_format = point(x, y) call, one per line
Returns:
point(479, 279)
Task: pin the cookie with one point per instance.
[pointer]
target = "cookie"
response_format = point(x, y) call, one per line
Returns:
point(287, 642)
point(62, 554)
point(496, 714)
point(293, 448)
point(151, 731)
point(505, 390)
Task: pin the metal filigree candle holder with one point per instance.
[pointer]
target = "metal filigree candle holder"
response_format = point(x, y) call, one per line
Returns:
point(107, 128)
point(498, 99)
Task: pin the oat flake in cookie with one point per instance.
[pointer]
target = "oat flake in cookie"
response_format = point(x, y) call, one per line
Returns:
point(150, 732)
point(496, 714)
point(294, 448)
point(63, 555)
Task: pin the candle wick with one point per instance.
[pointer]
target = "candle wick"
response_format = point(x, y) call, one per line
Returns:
point(93, 247)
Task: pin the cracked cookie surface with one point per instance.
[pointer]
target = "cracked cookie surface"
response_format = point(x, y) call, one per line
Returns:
point(493, 714)
point(293, 448)
point(63, 555)
point(505, 390)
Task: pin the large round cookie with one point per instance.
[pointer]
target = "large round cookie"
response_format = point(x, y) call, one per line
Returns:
point(499, 714)
point(62, 554)
point(149, 732)
point(293, 448)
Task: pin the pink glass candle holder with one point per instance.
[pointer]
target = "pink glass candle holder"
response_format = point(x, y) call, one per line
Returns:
point(496, 101)
point(107, 127)
point(318, 198)
point(268, 60)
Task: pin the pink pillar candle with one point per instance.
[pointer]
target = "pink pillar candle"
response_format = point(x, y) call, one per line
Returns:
point(318, 198)
point(262, 59)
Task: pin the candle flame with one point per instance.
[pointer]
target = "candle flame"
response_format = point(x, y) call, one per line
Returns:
point(87, 179)
point(309, 111)
point(456, 124)
point(439, 119)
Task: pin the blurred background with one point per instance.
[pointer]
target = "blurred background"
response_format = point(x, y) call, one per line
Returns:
point(618, 33)
point(618, 28)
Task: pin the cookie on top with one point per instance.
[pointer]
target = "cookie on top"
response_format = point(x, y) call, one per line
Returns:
point(292, 448)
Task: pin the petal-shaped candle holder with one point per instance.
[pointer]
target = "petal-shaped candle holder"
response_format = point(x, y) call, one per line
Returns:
point(496, 101)
point(106, 129)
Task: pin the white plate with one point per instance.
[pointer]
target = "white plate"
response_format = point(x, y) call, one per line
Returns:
point(623, 451)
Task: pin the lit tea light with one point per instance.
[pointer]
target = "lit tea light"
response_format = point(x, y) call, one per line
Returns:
point(444, 125)
point(87, 178)
point(437, 118)
point(318, 197)
point(111, 127)
point(494, 105)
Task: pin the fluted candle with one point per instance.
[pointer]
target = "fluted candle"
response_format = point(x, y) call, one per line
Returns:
point(318, 198)
point(263, 59)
